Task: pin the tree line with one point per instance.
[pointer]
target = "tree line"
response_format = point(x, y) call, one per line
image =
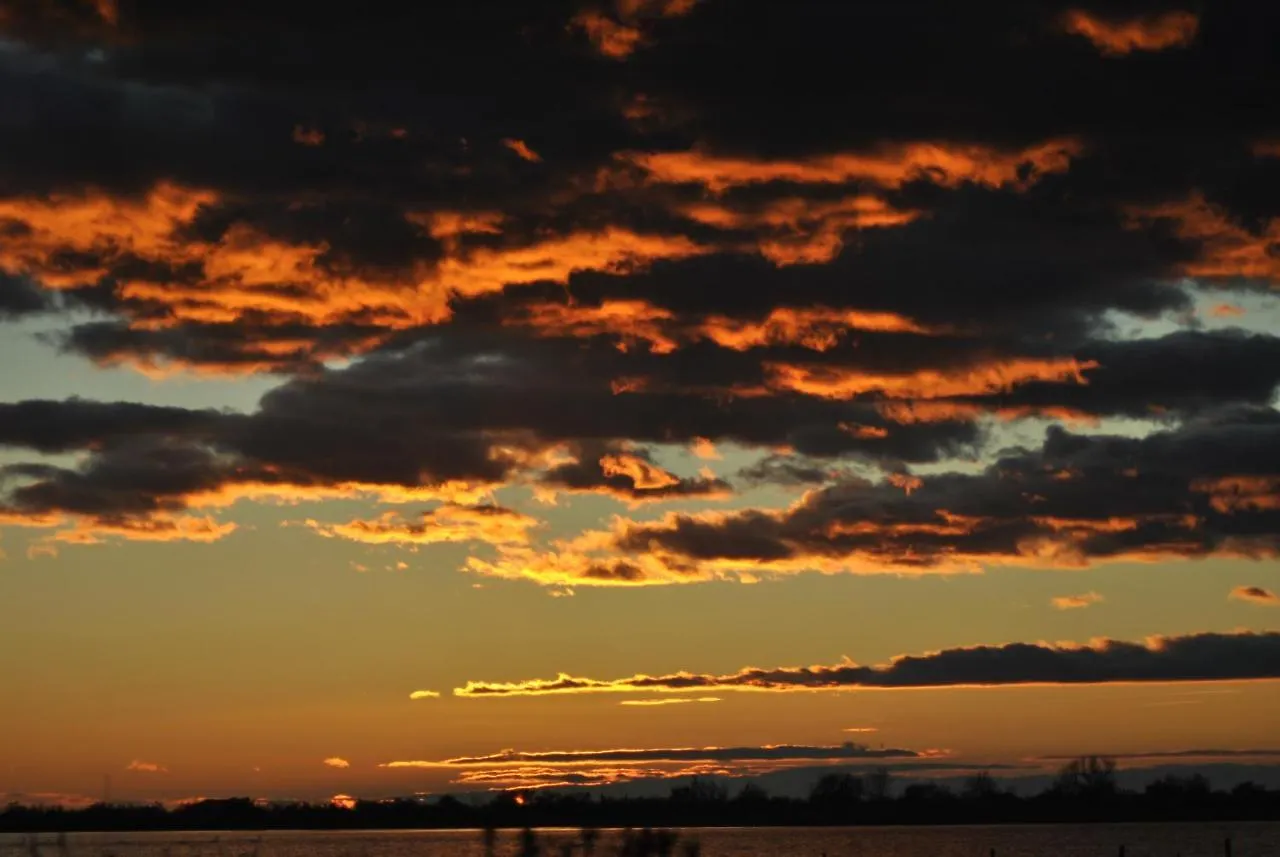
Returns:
point(1085, 789)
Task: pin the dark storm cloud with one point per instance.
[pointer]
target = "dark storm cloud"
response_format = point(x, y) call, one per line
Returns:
point(482, 409)
point(629, 474)
point(1207, 487)
point(19, 297)
point(78, 424)
point(1190, 658)
point(602, 237)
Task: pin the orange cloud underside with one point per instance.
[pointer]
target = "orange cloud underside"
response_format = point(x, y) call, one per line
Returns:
point(891, 166)
point(840, 383)
point(1241, 493)
point(491, 524)
point(246, 273)
point(636, 321)
point(1227, 249)
point(1118, 37)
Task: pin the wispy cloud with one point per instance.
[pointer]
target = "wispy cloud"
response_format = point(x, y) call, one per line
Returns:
point(1181, 754)
point(1077, 602)
point(1120, 36)
point(668, 701)
point(425, 694)
point(337, 762)
point(146, 767)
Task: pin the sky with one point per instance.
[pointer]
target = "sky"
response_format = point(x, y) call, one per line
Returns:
point(459, 396)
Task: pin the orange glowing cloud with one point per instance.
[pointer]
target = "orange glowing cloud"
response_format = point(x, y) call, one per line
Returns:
point(424, 694)
point(704, 448)
point(336, 762)
point(947, 164)
point(613, 250)
point(1241, 493)
point(304, 136)
point(141, 767)
point(94, 224)
point(631, 321)
point(610, 37)
point(798, 231)
point(1227, 249)
point(818, 328)
point(287, 492)
point(108, 10)
point(617, 36)
point(491, 524)
point(651, 703)
point(83, 530)
point(635, 321)
point(1175, 29)
point(69, 241)
point(1256, 595)
point(522, 150)
point(645, 475)
point(833, 382)
point(1076, 602)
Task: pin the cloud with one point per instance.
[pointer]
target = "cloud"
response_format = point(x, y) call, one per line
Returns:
point(1117, 37)
point(1077, 602)
point(510, 769)
point(1077, 501)
point(1189, 658)
point(146, 767)
point(19, 296)
point(449, 523)
point(1179, 754)
point(522, 150)
point(424, 694)
point(619, 33)
point(668, 701)
point(770, 752)
point(336, 762)
point(68, 800)
point(889, 166)
point(1256, 595)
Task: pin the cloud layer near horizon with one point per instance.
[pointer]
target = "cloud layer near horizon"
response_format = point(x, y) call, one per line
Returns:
point(1192, 658)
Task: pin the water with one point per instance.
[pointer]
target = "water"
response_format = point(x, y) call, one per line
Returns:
point(1254, 839)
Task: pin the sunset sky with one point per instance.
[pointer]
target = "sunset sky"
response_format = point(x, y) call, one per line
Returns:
point(466, 395)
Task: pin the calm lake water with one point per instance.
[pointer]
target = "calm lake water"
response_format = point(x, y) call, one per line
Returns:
point(1103, 840)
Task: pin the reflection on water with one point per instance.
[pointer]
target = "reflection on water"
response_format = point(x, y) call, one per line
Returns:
point(1103, 840)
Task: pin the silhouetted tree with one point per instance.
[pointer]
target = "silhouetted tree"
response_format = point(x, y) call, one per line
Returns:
point(924, 792)
point(878, 784)
point(701, 790)
point(1172, 788)
point(980, 786)
point(836, 792)
point(1091, 777)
